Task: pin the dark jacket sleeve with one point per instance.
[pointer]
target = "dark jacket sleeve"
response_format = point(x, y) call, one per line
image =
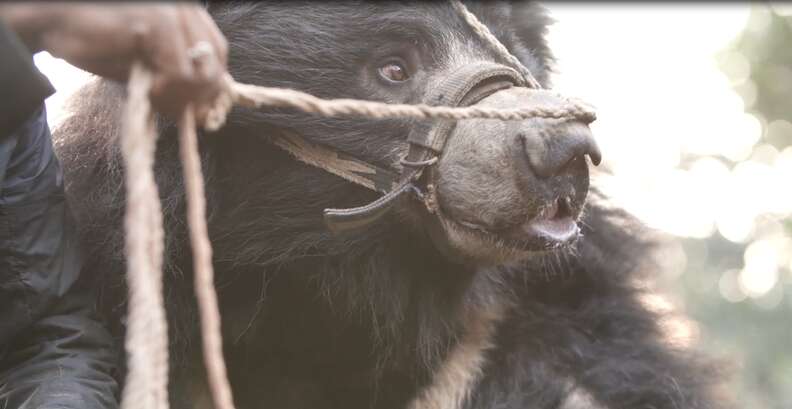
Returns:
point(22, 87)
point(54, 352)
point(63, 360)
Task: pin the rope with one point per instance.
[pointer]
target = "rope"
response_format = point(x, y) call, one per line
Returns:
point(257, 96)
point(484, 32)
point(202, 264)
point(147, 334)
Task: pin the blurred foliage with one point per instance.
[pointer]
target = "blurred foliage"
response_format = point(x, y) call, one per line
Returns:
point(755, 330)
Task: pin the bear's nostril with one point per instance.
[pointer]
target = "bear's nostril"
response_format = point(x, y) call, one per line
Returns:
point(551, 151)
point(594, 153)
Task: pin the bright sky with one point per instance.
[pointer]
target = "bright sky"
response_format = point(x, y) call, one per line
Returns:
point(649, 69)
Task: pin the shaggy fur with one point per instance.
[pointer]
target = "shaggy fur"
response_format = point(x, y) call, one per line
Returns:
point(379, 318)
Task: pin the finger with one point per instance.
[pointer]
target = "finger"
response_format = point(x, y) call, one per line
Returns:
point(173, 71)
point(204, 28)
point(165, 45)
point(216, 36)
point(208, 67)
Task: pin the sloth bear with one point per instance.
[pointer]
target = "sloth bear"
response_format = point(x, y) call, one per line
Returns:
point(524, 290)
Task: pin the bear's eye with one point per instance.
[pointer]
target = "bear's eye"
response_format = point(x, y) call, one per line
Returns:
point(394, 71)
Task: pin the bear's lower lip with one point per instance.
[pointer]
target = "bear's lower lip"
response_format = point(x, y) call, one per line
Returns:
point(559, 229)
point(555, 226)
point(539, 234)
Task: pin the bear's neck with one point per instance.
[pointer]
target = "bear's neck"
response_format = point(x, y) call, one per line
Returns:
point(392, 296)
point(386, 292)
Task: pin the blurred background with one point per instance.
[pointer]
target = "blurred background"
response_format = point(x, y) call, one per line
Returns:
point(695, 121)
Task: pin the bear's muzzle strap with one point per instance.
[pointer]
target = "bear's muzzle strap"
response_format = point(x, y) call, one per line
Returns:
point(466, 86)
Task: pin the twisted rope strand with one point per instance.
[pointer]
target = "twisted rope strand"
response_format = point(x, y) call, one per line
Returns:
point(147, 333)
point(202, 262)
point(484, 32)
point(257, 96)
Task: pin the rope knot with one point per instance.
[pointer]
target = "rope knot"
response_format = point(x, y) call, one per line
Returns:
point(216, 116)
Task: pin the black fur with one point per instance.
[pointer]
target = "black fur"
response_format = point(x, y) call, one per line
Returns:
point(314, 320)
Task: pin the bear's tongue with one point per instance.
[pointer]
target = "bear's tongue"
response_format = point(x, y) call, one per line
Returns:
point(555, 222)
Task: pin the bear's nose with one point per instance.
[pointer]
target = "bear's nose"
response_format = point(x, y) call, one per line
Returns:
point(549, 145)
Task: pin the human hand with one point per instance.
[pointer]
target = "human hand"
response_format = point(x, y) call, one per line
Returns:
point(178, 42)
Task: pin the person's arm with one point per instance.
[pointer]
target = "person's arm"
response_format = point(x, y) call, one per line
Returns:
point(107, 38)
point(54, 352)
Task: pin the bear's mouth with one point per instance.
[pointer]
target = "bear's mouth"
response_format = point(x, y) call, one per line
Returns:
point(555, 226)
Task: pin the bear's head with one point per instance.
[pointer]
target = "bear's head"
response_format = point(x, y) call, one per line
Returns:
point(504, 189)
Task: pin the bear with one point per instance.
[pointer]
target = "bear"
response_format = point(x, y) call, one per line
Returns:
point(521, 286)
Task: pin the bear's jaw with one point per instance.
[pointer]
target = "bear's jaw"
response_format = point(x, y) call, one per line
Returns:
point(536, 230)
point(483, 247)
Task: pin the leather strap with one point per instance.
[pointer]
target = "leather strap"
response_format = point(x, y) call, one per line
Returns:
point(434, 134)
point(357, 217)
point(340, 164)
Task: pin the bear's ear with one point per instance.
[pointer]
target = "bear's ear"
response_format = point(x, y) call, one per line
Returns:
point(530, 22)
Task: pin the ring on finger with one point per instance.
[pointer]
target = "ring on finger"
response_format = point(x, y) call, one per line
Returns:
point(200, 50)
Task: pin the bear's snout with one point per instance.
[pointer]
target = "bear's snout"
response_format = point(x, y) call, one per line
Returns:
point(517, 184)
